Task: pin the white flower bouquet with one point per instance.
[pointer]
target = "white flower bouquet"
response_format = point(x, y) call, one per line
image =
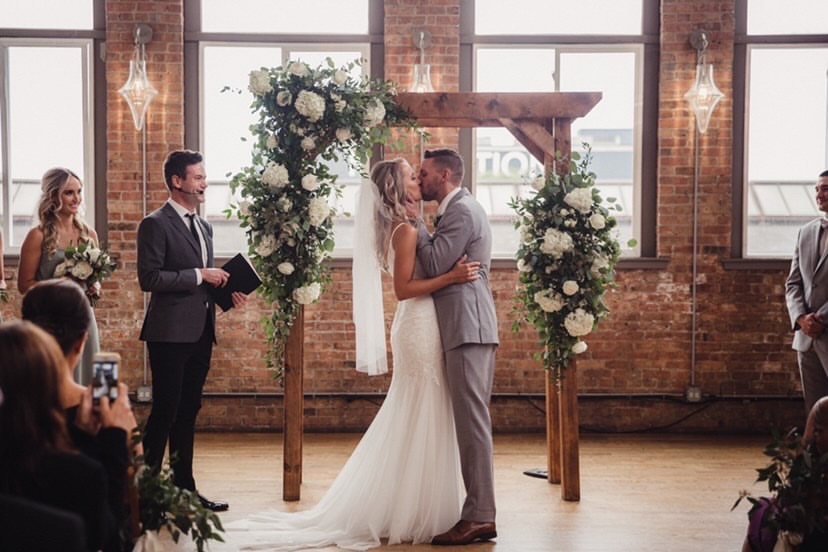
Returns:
point(565, 260)
point(307, 118)
point(88, 265)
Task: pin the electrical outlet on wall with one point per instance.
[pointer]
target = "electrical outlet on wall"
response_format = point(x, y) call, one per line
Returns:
point(693, 394)
point(144, 394)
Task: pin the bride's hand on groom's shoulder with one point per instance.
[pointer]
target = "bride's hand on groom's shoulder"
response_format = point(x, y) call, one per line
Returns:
point(465, 271)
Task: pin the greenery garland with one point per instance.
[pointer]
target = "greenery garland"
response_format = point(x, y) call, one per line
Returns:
point(565, 260)
point(307, 118)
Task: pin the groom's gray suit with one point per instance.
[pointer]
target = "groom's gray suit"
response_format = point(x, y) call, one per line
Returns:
point(468, 329)
point(806, 291)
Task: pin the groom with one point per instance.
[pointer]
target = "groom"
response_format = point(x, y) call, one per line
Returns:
point(468, 328)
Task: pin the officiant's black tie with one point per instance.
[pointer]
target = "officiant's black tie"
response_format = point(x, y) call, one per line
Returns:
point(193, 230)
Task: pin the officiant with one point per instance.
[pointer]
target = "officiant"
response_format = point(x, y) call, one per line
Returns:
point(175, 264)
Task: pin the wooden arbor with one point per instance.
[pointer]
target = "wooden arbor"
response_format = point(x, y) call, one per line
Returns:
point(541, 122)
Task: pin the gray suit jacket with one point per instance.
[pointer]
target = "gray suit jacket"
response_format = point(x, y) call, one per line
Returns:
point(167, 255)
point(465, 312)
point(806, 289)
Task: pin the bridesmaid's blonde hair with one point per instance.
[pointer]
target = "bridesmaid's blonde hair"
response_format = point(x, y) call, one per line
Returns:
point(51, 187)
point(387, 176)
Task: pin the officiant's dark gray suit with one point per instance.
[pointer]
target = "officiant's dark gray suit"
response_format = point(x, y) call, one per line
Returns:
point(179, 328)
point(806, 291)
point(468, 329)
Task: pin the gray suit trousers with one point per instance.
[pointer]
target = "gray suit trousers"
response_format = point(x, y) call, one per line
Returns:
point(812, 364)
point(470, 375)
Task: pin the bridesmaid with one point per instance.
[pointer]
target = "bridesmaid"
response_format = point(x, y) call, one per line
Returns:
point(60, 225)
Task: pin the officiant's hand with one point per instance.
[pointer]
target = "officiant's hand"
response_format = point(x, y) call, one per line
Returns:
point(239, 299)
point(216, 277)
point(811, 325)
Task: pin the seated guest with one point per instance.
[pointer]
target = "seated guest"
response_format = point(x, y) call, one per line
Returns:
point(22, 519)
point(60, 307)
point(37, 461)
point(762, 537)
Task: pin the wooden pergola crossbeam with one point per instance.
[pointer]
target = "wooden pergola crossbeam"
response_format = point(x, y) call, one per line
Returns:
point(541, 122)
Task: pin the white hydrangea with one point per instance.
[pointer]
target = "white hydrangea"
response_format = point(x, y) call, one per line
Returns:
point(275, 175)
point(522, 266)
point(285, 268)
point(343, 134)
point(283, 98)
point(526, 234)
point(310, 183)
point(597, 221)
point(599, 264)
point(306, 295)
point(310, 104)
point(93, 254)
point(60, 270)
point(285, 204)
point(556, 243)
point(580, 199)
point(570, 287)
point(266, 246)
point(374, 113)
point(308, 143)
point(549, 300)
point(538, 183)
point(299, 69)
point(244, 208)
point(259, 83)
point(318, 210)
point(579, 347)
point(579, 323)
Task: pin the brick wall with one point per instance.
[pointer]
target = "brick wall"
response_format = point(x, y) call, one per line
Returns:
point(639, 361)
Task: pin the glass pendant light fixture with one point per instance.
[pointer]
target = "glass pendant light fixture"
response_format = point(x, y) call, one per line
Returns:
point(138, 90)
point(422, 70)
point(704, 95)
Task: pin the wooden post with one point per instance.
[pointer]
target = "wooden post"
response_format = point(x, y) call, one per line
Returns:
point(294, 409)
point(568, 414)
point(553, 432)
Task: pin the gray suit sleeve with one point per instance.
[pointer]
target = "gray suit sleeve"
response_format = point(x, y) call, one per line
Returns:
point(152, 253)
point(439, 252)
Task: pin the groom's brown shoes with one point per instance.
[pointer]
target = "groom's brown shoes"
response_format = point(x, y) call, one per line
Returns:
point(466, 532)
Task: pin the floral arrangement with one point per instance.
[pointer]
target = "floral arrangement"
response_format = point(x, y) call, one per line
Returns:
point(164, 505)
point(88, 265)
point(797, 479)
point(565, 260)
point(307, 117)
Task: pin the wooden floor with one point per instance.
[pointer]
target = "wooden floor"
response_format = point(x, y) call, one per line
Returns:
point(638, 492)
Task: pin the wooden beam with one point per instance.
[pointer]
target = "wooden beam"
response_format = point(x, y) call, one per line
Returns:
point(294, 408)
point(568, 415)
point(482, 109)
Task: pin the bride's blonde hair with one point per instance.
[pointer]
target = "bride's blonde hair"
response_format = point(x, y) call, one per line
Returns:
point(387, 176)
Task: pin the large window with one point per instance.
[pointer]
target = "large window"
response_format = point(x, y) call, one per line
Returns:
point(564, 53)
point(785, 75)
point(46, 115)
point(338, 30)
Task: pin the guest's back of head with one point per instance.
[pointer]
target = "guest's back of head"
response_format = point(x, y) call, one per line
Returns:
point(31, 418)
point(816, 427)
point(60, 307)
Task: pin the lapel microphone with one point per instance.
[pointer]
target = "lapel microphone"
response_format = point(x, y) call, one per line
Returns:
point(183, 191)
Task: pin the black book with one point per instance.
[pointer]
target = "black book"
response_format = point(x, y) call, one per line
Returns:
point(243, 278)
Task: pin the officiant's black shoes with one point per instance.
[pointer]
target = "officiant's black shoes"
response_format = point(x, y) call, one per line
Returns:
point(214, 505)
point(466, 532)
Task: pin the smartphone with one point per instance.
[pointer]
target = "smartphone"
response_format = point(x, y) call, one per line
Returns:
point(105, 376)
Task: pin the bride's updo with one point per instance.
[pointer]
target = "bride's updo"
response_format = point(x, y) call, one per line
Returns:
point(387, 176)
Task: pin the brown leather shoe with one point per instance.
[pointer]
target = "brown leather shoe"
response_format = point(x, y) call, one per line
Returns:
point(466, 532)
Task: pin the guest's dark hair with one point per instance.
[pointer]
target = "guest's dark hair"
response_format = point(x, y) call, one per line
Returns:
point(447, 159)
point(31, 418)
point(177, 162)
point(60, 307)
point(823, 173)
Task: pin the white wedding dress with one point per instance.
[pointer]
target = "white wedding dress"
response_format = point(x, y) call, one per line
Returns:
point(403, 480)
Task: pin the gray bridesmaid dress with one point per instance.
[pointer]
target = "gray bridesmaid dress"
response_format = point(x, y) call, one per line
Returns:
point(83, 371)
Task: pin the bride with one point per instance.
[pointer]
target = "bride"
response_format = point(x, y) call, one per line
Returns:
point(402, 482)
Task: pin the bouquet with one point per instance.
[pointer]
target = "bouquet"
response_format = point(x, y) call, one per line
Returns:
point(88, 265)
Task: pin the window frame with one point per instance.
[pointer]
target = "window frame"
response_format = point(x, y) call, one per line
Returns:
point(93, 114)
point(372, 43)
point(649, 41)
point(743, 42)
